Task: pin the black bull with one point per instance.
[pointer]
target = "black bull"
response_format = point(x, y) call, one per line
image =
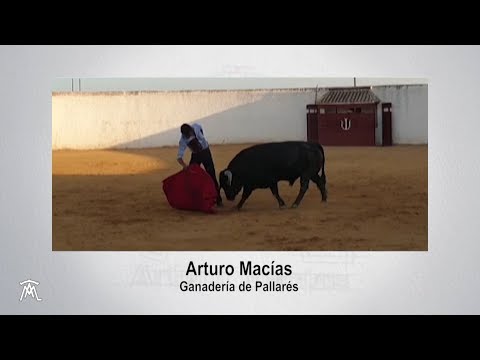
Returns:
point(263, 166)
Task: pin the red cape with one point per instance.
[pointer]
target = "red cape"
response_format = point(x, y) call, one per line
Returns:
point(191, 189)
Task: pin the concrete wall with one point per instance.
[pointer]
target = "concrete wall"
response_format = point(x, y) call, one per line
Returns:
point(88, 121)
point(409, 113)
point(150, 119)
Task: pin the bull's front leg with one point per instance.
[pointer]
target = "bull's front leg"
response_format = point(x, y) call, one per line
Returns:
point(246, 193)
point(304, 180)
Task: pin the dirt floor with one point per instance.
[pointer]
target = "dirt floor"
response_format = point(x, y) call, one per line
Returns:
point(113, 200)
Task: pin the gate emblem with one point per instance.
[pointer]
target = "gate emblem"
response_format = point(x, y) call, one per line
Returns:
point(346, 124)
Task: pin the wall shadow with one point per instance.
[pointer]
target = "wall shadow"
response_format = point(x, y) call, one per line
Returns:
point(235, 124)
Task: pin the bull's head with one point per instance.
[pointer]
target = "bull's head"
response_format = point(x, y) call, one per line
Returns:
point(229, 184)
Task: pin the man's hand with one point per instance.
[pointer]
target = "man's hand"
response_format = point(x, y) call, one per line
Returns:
point(181, 162)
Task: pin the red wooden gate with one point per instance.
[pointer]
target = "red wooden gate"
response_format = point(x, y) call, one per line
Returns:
point(347, 125)
point(344, 116)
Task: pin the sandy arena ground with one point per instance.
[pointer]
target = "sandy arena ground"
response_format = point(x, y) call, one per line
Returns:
point(113, 200)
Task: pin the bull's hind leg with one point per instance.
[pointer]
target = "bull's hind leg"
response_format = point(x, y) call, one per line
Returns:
point(304, 180)
point(274, 189)
point(321, 182)
point(245, 194)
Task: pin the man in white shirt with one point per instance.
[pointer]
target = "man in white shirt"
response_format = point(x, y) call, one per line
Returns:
point(193, 138)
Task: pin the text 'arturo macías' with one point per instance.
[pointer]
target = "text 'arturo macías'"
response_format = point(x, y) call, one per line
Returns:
point(244, 268)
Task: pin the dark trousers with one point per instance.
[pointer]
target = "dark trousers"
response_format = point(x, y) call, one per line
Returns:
point(204, 158)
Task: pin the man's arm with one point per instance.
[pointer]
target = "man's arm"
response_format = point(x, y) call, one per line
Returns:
point(199, 133)
point(201, 136)
point(182, 146)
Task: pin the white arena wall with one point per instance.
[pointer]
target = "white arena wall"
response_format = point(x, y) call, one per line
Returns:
point(152, 119)
point(409, 113)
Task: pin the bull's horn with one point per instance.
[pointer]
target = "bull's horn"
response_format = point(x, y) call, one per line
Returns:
point(229, 175)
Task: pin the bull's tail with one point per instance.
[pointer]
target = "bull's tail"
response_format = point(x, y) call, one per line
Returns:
point(322, 168)
point(322, 185)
